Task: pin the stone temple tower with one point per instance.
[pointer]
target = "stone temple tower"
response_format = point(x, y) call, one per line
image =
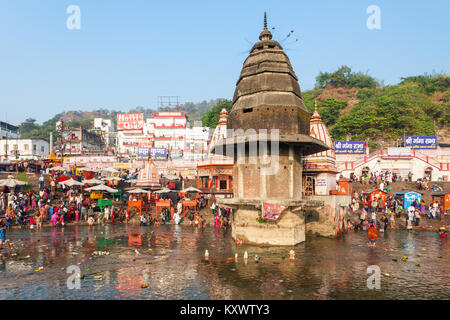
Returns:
point(268, 100)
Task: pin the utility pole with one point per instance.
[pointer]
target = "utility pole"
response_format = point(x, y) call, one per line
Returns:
point(61, 130)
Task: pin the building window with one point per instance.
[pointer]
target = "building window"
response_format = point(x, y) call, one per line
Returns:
point(223, 184)
point(42, 149)
point(34, 148)
point(25, 147)
point(15, 147)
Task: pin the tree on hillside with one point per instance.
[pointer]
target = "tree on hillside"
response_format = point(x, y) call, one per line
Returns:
point(384, 114)
point(344, 77)
point(430, 83)
point(211, 117)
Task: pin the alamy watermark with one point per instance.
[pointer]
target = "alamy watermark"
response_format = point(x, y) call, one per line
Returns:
point(74, 280)
point(374, 280)
point(73, 22)
point(374, 20)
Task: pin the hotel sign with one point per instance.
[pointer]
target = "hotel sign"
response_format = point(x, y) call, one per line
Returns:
point(130, 121)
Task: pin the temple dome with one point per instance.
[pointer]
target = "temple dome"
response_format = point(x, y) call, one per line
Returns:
point(267, 92)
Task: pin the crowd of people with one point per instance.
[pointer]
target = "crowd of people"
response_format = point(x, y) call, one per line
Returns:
point(378, 215)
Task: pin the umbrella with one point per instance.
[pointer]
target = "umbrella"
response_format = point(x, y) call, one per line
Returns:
point(102, 187)
point(192, 189)
point(86, 169)
point(58, 169)
point(163, 190)
point(71, 183)
point(93, 181)
point(11, 183)
point(138, 191)
point(112, 179)
point(112, 170)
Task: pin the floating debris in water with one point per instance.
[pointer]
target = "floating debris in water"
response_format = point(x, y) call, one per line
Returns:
point(404, 258)
point(101, 253)
point(387, 275)
point(395, 260)
point(440, 257)
point(40, 269)
point(245, 255)
point(143, 286)
point(283, 257)
point(417, 264)
point(206, 254)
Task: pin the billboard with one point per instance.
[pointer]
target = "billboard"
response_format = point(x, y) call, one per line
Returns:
point(349, 147)
point(158, 153)
point(419, 142)
point(145, 142)
point(130, 121)
point(142, 153)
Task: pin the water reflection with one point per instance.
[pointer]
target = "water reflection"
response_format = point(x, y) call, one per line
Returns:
point(172, 265)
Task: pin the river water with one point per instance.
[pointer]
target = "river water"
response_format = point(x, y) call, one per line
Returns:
point(173, 265)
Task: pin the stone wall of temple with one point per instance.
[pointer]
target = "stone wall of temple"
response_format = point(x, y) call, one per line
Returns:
point(326, 221)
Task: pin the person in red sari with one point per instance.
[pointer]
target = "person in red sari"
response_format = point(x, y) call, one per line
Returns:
point(372, 234)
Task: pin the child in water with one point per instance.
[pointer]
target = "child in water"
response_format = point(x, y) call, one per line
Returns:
point(3, 239)
point(372, 234)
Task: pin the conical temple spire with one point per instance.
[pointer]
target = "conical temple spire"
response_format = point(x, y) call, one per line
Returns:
point(265, 34)
point(316, 114)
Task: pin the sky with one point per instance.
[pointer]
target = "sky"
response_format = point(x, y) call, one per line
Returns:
point(127, 53)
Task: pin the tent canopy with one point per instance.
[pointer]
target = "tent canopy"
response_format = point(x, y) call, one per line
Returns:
point(93, 181)
point(102, 187)
point(58, 168)
point(11, 183)
point(139, 191)
point(192, 189)
point(71, 183)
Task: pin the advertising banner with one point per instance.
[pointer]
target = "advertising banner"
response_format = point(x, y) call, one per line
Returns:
point(158, 153)
point(145, 143)
point(130, 121)
point(142, 153)
point(271, 211)
point(349, 147)
point(419, 142)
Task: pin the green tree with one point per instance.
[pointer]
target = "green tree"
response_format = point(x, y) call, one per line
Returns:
point(211, 117)
point(344, 77)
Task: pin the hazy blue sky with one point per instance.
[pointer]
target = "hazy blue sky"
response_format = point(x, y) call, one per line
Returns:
point(128, 53)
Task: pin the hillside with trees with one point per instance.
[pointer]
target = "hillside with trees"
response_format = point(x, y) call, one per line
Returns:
point(353, 105)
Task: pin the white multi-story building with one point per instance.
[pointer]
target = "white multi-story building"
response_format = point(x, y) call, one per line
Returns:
point(106, 128)
point(167, 130)
point(23, 149)
point(8, 131)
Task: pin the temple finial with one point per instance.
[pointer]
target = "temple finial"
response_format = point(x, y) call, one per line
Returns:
point(315, 105)
point(265, 20)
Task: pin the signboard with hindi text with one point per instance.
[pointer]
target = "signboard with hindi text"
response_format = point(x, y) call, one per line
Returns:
point(142, 153)
point(419, 142)
point(158, 153)
point(349, 147)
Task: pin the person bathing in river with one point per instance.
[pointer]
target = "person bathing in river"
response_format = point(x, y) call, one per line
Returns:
point(372, 234)
point(3, 239)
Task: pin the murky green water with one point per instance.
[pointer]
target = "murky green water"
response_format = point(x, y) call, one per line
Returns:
point(175, 267)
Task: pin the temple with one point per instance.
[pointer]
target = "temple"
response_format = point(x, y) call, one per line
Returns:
point(319, 169)
point(270, 138)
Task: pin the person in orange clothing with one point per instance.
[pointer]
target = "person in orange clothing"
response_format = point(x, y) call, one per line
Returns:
point(372, 234)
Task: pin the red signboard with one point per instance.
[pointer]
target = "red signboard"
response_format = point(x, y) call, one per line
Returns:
point(130, 121)
point(145, 143)
point(272, 211)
